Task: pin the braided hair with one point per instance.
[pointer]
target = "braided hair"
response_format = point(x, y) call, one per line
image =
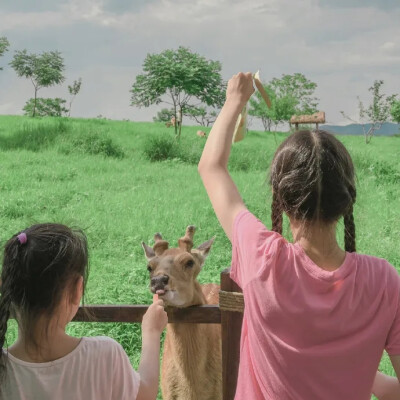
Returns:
point(38, 266)
point(312, 179)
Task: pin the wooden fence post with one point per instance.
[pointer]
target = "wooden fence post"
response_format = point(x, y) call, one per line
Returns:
point(231, 327)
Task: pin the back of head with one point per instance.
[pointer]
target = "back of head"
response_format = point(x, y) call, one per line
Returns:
point(312, 179)
point(38, 266)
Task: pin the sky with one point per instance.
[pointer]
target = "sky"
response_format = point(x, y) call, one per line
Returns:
point(342, 45)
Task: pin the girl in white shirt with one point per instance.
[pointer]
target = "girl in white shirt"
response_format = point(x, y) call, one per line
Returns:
point(45, 269)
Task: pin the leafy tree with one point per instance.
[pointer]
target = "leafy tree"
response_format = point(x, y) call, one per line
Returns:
point(395, 111)
point(296, 89)
point(258, 108)
point(73, 91)
point(44, 70)
point(201, 115)
point(178, 77)
point(46, 107)
point(282, 108)
point(4, 44)
point(164, 115)
point(376, 114)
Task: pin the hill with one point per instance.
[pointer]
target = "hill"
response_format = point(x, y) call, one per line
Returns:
point(123, 181)
point(387, 129)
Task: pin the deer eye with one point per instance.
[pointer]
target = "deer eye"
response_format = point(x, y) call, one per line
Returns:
point(189, 264)
point(149, 268)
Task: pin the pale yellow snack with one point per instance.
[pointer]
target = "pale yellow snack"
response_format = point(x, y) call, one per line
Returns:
point(241, 123)
point(241, 126)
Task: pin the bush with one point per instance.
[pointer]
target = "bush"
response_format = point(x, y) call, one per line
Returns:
point(35, 137)
point(96, 144)
point(244, 157)
point(59, 134)
point(160, 148)
point(46, 107)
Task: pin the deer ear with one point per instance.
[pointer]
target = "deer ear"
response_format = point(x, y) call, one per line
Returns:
point(203, 250)
point(148, 251)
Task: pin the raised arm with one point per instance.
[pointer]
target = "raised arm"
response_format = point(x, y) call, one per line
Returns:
point(213, 165)
point(387, 387)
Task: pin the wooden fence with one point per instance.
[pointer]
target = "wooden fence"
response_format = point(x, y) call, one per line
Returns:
point(231, 325)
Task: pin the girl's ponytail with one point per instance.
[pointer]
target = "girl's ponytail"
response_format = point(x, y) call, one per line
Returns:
point(5, 310)
point(276, 214)
point(8, 278)
point(349, 232)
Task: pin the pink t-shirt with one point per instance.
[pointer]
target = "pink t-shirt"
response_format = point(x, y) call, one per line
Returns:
point(309, 333)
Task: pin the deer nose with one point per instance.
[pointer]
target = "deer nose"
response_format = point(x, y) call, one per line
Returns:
point(159, 281)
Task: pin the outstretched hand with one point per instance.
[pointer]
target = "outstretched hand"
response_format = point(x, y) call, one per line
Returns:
point(240, 88)
point(155, 319)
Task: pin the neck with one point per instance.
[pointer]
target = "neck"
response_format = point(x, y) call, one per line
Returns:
point(48, 342)
point(198, 296)
point(318, 241)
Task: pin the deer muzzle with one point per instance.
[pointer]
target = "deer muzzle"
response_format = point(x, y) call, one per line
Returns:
point(158, 284)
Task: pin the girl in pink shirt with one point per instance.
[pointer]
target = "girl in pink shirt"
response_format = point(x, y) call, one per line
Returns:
point(317, 318)
point(44, 273)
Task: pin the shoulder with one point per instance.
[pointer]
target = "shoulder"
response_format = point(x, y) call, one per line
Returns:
point(377, 263)
point(102, 345)
point(248, 225)
point(380, 269)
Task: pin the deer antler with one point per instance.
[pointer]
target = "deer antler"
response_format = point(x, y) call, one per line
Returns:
point(157, 237)
point(160, 245)
point(185, 243)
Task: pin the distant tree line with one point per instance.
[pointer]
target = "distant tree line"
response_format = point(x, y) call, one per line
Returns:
point(193, 87)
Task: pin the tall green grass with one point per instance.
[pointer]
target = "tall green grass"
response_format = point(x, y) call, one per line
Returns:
point(55, 170)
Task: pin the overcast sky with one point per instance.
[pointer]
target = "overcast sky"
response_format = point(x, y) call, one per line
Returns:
point(342, 45)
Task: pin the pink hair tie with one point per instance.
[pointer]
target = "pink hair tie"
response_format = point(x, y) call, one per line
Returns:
point(22, 238)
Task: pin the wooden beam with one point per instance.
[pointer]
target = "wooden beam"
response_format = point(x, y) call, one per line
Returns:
point(207, 314)
point(231, 328)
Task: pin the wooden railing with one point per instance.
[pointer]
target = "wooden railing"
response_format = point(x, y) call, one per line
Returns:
point(231, 325)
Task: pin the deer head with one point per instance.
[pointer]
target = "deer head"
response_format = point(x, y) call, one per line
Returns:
point(173, 272)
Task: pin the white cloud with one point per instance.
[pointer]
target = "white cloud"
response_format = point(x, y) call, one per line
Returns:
point(342, 49)
point(31, 21)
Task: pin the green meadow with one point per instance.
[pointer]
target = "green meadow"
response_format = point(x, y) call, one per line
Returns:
point(123, 181)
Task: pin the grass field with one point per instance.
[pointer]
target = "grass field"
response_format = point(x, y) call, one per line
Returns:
point(95, 174)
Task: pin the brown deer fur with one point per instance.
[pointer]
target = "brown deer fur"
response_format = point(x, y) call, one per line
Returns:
point(191, 366)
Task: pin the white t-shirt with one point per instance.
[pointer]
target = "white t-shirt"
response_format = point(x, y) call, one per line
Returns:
point(97, 369)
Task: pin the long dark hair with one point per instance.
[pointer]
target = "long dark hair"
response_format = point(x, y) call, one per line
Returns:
point(312, 179)
point(36, 273)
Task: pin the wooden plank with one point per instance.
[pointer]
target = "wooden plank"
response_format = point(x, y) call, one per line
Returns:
point(231, 328)
point(207, 314)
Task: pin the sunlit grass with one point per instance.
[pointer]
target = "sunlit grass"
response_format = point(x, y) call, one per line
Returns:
point(122, 199)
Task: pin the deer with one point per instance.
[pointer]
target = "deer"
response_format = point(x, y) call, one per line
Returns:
point(201, 134)
point(191, 363)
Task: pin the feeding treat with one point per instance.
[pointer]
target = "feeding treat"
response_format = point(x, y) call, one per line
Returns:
point(241, 123)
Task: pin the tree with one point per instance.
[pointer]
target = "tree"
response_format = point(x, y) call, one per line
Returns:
point(179, 78)
point(44, 70)
point(46, 107)
point(4, 44)
point(372, 117)
point(282, 108)
point(296, 89)
point(73, 91)
point(164, 115)
point(259, 109)
point(201, 115)
point(395, 111)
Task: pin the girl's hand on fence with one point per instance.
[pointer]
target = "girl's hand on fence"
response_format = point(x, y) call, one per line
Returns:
point(155, 319)
point(240, 88)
